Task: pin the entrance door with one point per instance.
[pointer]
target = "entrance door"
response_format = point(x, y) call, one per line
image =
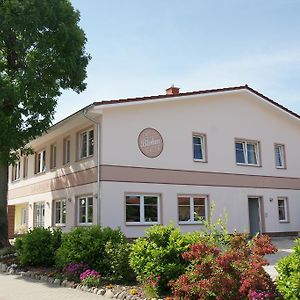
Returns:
point(254, 215)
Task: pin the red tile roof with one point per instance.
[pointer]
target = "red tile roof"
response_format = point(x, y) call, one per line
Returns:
point(228, 89)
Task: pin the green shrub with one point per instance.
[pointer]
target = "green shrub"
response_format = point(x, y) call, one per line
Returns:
point(97, 247)
point(7, 251)
point(156, 259)
point(288, 280)
point(38, 247)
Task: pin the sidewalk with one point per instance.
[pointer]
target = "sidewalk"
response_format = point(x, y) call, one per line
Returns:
point(19, 288)
point(284, 246)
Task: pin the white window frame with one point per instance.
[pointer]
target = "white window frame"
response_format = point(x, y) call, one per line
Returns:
point(192, 220)
point(285, 201)
point(281, 153)
point(41, 162)
point(61, 201)
point(41, 221)
point(86, 223)
point(16, 171)
point(23, 216)
point(53, 155)
point(203, 146)
point(81, 134)
point(142, 209)
point(245, 152)
point(67, 151)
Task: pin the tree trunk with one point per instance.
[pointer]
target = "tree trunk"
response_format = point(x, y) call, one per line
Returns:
point(3, 205)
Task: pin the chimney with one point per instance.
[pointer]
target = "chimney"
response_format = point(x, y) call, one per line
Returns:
point(172, 90)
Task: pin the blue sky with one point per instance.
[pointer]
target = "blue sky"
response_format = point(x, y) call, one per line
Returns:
point(141, 47)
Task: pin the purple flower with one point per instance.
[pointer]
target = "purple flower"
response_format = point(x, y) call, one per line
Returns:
point(89, 273)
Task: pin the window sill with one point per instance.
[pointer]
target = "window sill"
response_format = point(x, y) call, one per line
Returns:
point(280, 168)
point(40, 173)
point(200, 160)
point(190, 223)
point(85, 224)
point(141, 223)
point(248, 165)
point(16, 180)
point(60, 225)
point(284, 221)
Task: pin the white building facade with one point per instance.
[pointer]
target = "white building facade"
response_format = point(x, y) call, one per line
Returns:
point(165, 159)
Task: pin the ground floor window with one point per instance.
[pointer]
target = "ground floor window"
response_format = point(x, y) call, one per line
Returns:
point(39, 212)
point(282, 209)
point(142, 209)
point(60, 212)
point(192, 209)
point(23, 216)
point(85, 208)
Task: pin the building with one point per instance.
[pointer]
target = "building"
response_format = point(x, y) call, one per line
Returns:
point(136, 162)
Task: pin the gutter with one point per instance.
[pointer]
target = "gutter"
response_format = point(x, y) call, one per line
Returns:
point(98, 160)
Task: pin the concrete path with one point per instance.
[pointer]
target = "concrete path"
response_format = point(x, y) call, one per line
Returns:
point(284, 246)
point(19, 288)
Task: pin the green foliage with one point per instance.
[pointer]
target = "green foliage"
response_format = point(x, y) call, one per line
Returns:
point(156, 259)
point(7, 251)
point(41, 52)
point(288, 281)
point(117, 257)
point(38, 247)
point(99, 248)
point(216, 232)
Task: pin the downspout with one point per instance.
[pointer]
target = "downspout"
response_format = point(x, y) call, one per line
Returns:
point(97, 163)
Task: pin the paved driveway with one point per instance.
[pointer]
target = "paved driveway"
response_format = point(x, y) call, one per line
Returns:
point(284, 246)
point(19, 288)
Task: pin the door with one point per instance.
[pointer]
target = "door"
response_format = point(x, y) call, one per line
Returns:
point(254, 215)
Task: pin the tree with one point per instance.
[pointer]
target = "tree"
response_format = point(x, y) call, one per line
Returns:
point(42, 52)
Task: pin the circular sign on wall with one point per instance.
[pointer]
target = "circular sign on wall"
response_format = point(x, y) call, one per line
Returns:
point(150, 142)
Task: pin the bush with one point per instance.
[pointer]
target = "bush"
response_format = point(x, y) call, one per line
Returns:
point(95, 246)
point(38, 247)
point(234, 273)
point(288, 281)
point(156, 259)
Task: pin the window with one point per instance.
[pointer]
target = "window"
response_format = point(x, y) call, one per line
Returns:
point(23, 216)
point(40, 161)
point(53, 156)
point(16, 171)
point(25, 166)
point(142, 209)
point(192, 209)
point(86, 143)
point(282, 209)
point(39, 212)
point(199, 147)
point(247, 153)
point(279, 156)
point(67, 149)
point(60, 212)
point(85, 210)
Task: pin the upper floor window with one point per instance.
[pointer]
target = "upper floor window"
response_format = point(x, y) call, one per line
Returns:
point(199, 150)
point(85, 208)
point(247, 153)
point(279, 156)
point(25, 166)
point(16, 170)
point(53, 156)
point(142, 209)
point(192, 209)
point(282, 209)
point(86, 143)
point(40, 161)
point(60, 212)
point(67, 150)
